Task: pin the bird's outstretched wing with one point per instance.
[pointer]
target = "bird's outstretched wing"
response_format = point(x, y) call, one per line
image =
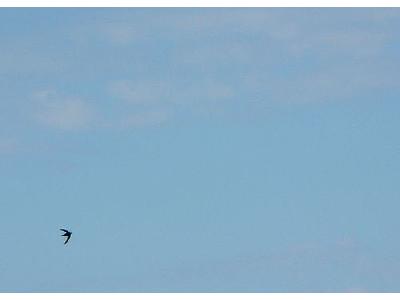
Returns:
point(66, 241)
point(64, 230)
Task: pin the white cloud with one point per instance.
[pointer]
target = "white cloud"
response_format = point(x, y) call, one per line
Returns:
point(359, 43)
point(147, 118)
point(120, 33)
point(156, 92)
point(327, 83)
point(143, 92)
point(62, 112)
point(200, 60)
point(253, 46)
point(154, 102)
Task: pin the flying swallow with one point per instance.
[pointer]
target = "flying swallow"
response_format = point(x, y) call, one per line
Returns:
point(67, 234)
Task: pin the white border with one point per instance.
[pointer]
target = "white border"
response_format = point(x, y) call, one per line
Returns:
point(199, 3)
point(197, 296)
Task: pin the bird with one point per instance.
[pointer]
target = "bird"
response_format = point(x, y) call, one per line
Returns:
point(67, 234)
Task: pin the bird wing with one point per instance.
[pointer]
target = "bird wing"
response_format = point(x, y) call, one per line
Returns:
point(66, 241)
point(66, 231)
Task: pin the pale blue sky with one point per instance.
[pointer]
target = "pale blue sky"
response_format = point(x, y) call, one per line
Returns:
point(200, 150)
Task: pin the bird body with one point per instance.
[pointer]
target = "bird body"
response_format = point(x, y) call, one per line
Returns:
point(67, 234)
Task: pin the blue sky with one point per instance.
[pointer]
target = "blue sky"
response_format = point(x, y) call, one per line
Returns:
point(200, 150)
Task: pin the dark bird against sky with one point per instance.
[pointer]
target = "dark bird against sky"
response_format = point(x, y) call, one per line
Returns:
point(67, 234)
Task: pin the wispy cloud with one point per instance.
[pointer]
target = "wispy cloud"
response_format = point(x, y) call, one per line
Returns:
point(120, 33)
point(187, 62)
point(141, 92)
point(295, 54)
point(152, 92)
point(146, 118)
point(337, 266)
point(62, 112)
point(153, 102)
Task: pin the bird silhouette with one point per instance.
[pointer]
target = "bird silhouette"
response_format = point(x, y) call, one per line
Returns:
point(67, 234)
